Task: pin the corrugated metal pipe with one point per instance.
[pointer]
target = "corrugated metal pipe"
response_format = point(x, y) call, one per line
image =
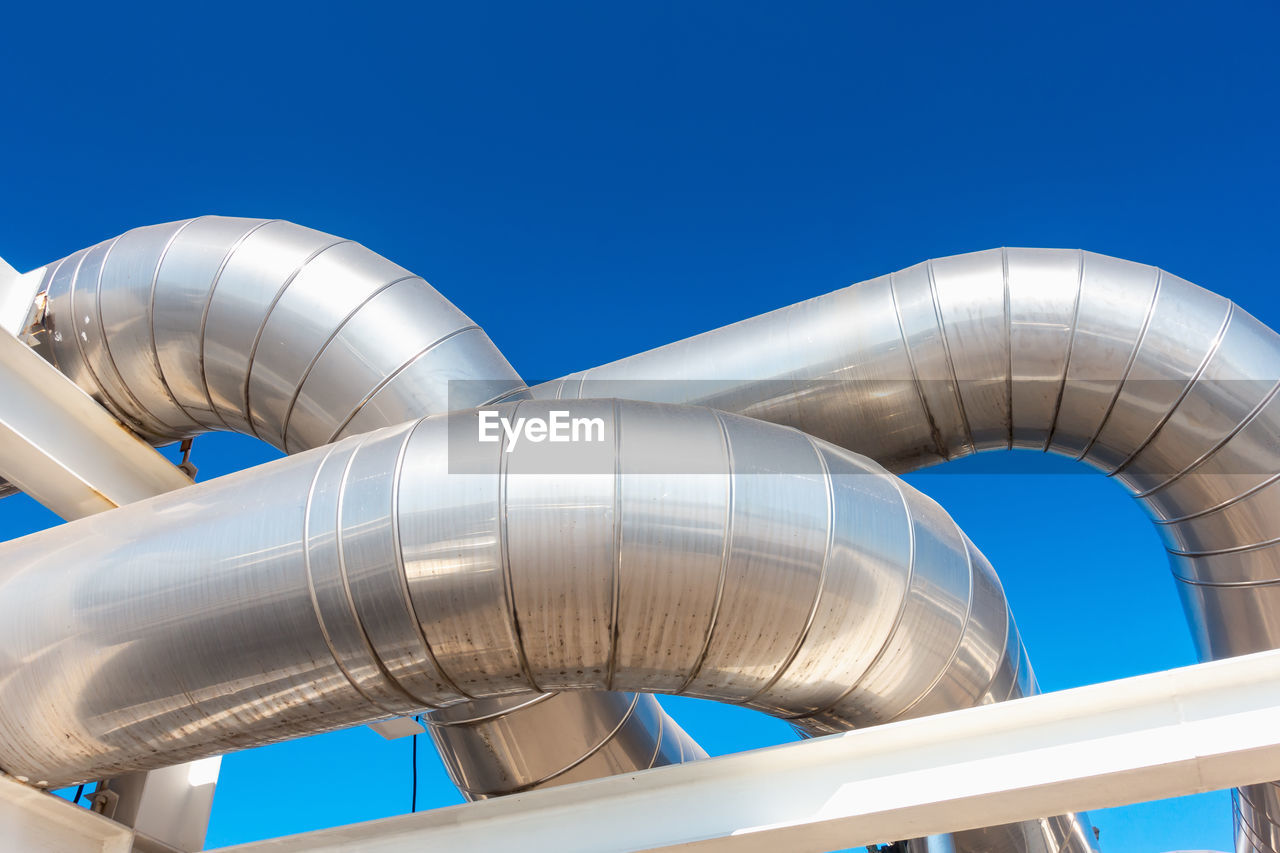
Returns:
point(1167, 388)
point(677, 550)
point(299, 337)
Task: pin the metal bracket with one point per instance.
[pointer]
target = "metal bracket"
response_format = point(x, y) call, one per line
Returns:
point(186, 464)
point(397, 727)
point(103, 801)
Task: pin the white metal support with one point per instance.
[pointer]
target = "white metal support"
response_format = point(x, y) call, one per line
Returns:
point(32, 821)
point(63, 449)
point(36, 822)
point(172, 803)
point(17, 300)
point(17, 296)
point(1195, 729)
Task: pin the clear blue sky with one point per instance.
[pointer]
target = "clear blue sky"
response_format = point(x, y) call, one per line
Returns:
point(589, 180)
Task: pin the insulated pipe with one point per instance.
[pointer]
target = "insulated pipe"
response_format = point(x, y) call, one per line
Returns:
point(299, 337)
point(261, 327)
point(1166, 387)
point(257, 378)
point(681, 551)
point(509, 734)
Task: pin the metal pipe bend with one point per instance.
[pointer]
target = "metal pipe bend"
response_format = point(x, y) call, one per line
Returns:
point(1166, 387)
point(300, 337)
point(285, 314)
point(404, 569)
point(419, 567)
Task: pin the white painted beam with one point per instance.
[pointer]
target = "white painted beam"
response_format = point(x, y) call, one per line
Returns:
point(17, 296)
point(1200, 728)
point(63, 449)
point(172, 803)
point(34, 821)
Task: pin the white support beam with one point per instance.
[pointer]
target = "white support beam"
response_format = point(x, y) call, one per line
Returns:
point(63, 449)
point(17, 296)
point(17, 299)
point(172, 803)
point(1200, 728)
point(34, 821)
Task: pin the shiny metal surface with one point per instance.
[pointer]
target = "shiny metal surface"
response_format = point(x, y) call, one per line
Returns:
point(298, 337)
point(1045, 835)
point(1164, 386)
point(572, 714)
point(261, 326)
point(72, 456)
point(932, 844)
point(548, 576)
point(212, 608)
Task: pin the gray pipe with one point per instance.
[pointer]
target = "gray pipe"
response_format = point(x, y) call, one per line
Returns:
point(270, 294)
point(1166, 387)
point(684, 551)
point(299, 337)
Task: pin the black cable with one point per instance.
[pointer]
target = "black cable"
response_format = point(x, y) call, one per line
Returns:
point(413, 804)
point(79, 791)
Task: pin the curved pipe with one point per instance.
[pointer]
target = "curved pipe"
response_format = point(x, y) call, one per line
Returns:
point(412, 567)
point(262, 327)
point(1166, 387)
point(299, 337)
point(407, 568)
point(637, 734)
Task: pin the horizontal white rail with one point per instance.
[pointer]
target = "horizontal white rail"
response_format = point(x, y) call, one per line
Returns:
point(34, 821)
point(1195, 729)
point(63, 449)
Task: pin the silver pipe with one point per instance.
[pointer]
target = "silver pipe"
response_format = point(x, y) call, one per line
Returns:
point(263, 327)
point(1167, 388)
point(1034, 836)
point(299, 337)
point(932, 844)
point(267, 292)
point(635, 726)
point(408, 568)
